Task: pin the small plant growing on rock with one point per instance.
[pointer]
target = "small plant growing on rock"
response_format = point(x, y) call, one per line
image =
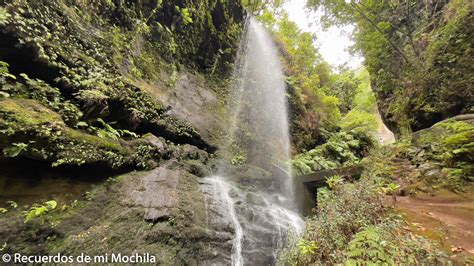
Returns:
point(238, 160)
point(15, 150)
point(334, 181)
point(38, 210)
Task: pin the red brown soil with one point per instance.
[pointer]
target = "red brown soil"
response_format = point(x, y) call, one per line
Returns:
point(445, 217)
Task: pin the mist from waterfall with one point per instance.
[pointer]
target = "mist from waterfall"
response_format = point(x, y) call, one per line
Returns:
point(261, 209)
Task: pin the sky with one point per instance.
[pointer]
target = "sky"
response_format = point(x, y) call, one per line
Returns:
point(333, 43)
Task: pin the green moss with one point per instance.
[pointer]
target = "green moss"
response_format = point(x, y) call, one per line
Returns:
point(44, 136)
point(80, 137)
point(29, 112)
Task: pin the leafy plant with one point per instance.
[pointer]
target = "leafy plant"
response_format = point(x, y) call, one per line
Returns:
point(185, 15)
point(12, 204)
point(335, 181)
point(359, 120)
point(38, 210)
point(367, 247)
point(107, 131)
point(171, 222)
point(127, 133)
point(15, 150)
point(4, 16)
point(342, 148)
point(238, 160)
point(390, 188)
point(4, 65)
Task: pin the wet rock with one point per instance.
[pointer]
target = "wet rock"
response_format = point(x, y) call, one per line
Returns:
point(189, 152)
point(193, 100)
point(252, 176)
point(157, 142)
point(255, 199)
point(197, 168)
point(156, 193)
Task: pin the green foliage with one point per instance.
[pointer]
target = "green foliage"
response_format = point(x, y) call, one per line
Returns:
point(257, 6)
point(345, 89)
point(418, 55)
point(452, 144)
point(38, 210)
point(24, 87)
point(342, 148)
point(171, 222)
point(309, 79)
point(12, 204)
point(306, 247)
point(238, 160)
point(390, 188)
point(364, 99)
point(49, 139)
point(4, 16)
point(107, 131)
point(439, 157)
point(367, 246)
point(339, 216)
point(4, 73)
point(334, 181)
point(303, 249)
point(388, 243)
point(360, 121)
point(351, 227)
point(15, 150)
point(185, 15)
point(91, 97)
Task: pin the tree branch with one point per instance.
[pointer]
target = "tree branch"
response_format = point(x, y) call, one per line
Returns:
point(397, 49)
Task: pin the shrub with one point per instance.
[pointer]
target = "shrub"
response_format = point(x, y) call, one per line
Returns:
point(359, 120)
point(351, 227)
point(340, 214)
point(388, 243)
point(38, 210)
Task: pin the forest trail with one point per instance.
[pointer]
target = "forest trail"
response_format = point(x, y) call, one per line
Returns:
point(445, 217)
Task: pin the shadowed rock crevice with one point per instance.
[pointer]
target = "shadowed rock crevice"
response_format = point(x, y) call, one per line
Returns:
point(23, 58)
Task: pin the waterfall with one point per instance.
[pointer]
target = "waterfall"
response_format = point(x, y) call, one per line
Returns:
point(256, 198)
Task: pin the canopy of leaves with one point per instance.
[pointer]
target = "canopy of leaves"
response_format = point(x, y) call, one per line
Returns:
point(417, 52)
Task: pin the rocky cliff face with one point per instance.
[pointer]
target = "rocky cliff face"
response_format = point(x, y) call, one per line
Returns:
point(428, 79)
point(123, 85)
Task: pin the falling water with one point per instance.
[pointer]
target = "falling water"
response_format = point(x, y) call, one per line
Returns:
point(260, 209)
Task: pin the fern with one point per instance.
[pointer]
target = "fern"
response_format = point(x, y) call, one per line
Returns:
point(38, 210)
point(15, 150)
point(107, 131)
point(368, 247)
point(185, 15)
point(334, 181)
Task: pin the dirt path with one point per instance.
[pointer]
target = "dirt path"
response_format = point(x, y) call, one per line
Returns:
point(446, 217)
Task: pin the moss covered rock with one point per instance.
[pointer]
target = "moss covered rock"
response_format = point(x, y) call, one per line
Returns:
point(29, 129)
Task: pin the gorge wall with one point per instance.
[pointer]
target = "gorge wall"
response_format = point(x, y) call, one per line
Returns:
point(421, 61)
point(119, 86)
